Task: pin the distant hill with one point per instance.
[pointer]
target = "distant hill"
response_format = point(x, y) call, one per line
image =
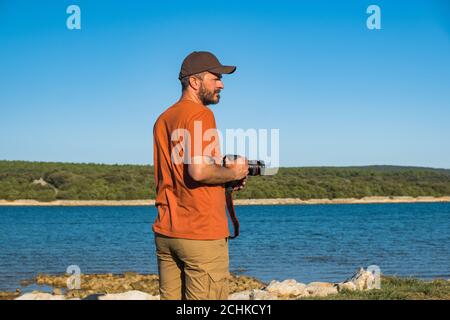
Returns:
point(47, 181)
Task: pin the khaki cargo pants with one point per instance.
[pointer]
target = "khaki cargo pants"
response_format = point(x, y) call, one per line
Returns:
point(192, 269)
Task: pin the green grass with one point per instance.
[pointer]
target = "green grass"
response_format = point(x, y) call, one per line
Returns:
point(394, 288)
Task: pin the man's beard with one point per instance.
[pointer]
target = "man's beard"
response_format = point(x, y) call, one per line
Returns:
point(208, 97)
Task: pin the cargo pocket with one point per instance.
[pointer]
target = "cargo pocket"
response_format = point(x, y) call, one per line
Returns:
point(218, 285)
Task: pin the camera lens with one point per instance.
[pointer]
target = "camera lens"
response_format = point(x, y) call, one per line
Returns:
point(254, 167)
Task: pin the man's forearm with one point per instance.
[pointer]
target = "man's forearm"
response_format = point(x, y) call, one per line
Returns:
point(211, 173)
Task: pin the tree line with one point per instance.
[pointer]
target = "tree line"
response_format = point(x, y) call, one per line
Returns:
point(48, 181)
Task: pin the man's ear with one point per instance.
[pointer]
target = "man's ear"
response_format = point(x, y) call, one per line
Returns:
point(194, 82)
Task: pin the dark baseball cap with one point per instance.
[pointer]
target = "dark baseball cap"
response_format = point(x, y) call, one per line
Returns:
point(201, 61)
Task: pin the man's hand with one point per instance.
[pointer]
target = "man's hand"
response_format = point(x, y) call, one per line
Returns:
point(239, 167)
point(241, 185)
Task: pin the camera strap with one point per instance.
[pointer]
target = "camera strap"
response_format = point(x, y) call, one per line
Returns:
point(231, 211)
point(229, 186)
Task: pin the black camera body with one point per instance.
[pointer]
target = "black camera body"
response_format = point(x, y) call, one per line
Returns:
point(255, 168)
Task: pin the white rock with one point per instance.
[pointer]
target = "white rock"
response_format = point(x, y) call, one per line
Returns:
point(129, 295)
point(346, 286)
point(321, 284)
point(257, 294)
point(242, 295)
point(362, 280)
point(287, 287)
point(321, 290)
point(40, 296)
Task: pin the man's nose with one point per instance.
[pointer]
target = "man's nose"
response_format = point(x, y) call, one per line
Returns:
point(220, 84)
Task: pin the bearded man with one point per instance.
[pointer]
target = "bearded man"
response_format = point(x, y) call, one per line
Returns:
point(191, 227)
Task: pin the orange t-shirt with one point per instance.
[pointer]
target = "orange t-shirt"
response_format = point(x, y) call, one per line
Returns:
point(186, 208)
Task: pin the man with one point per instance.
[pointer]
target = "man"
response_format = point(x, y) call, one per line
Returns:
point(191, 228)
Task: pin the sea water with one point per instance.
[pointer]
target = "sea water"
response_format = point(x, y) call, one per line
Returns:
point(277, 242)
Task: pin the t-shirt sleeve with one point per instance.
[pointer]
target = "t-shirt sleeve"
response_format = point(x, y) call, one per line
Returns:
point(204, 137)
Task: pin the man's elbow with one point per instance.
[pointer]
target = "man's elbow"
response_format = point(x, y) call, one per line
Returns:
point(197, 172)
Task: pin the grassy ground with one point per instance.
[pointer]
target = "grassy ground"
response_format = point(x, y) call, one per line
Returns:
point(394, 288)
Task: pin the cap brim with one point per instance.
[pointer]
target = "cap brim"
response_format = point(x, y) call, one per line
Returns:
point(223, 70)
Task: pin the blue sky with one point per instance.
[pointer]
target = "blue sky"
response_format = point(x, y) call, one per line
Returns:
point(340, 94)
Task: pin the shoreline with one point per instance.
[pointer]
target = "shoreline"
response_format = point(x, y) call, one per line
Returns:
point(136, 286)
point(276, 201)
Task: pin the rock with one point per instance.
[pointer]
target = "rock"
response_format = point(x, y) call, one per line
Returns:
point(130, 274)
point(361, 280)
point(257, 294)
point(109, 283)
point(346, 286)
point(57, 291)
point(321, 284)
point(254, 294)
point(41, 182)
point(127, 287)
point(288, 287)
point(321, 290)
point(129, 295)
point(243, 283)
point(140, 286)
point(40, 296)
point(9, 295)
point(242, 295)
